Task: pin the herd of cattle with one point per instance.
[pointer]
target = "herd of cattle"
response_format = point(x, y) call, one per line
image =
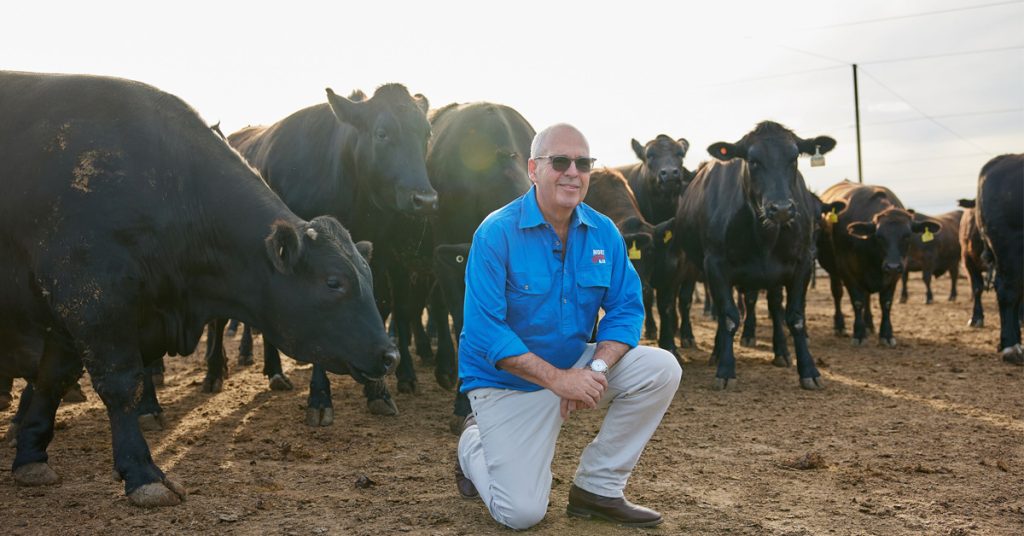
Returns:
point(129, 226)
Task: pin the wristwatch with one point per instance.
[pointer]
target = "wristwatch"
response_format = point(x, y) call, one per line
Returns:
point(598, 365)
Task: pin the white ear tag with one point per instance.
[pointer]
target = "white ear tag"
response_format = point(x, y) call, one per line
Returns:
point(817, 159)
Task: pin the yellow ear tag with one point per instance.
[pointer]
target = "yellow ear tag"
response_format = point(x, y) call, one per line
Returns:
point(832, 217)
point(668, 236)
point(927, 236)
point(634, 254)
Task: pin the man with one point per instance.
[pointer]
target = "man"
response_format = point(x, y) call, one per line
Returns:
point(538, 271)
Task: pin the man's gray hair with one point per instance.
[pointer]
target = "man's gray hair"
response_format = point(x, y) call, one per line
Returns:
point(541, 139)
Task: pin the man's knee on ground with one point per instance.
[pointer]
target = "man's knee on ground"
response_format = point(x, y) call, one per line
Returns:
point(520, 514)
point(664, 364)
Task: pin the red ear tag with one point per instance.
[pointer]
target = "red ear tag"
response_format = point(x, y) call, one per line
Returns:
point(723, 151)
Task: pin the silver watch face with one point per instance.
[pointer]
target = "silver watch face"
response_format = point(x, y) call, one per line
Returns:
point(598, 365)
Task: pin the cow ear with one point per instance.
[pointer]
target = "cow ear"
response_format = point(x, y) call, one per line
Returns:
point(422, 102)
point(821, 145)
point(931, 226)
point(965, 203)
point(726, 151)
point(835, 206)
point(861, 229)
point(283, 246)
point(639, 150)
point(663, 230)
point(365, 249)
point(347, 111)
point(685, 144)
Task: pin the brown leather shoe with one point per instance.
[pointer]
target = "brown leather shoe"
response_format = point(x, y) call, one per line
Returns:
point(466, 487)
point(588, 505)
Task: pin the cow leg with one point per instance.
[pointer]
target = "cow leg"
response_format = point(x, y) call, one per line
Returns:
point(904, 296)
point(6, 384)
point(650, 328)
point(378, 399)
point(708, 305)
point(885, 335)
point(216, 361)
point(272, 368)
point(728, 322)
point(150, 414)
point(666, 297)
point(461, 409)
point(245, 347)
point(446, 369)
point(686, 296)
point(776, 311)
point(59, 367)
point(1008, 295)
point(156, 370)
point(859, 298)
point(319, 408)
point(976, 274)
point(24, 401)
point(954, 274)
point(869, 319)
point(748, 338)
point(928, 296)
point(838, 321)
point(796, 296)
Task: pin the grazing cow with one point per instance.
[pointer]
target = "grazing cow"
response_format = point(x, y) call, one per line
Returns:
point(657, 182)
point(865, 249)
point(117, 246)
point(363, 162)
point(977, 260)
point(477, 163)
point(746, 221)
point(1000, 214)
point(935, 257)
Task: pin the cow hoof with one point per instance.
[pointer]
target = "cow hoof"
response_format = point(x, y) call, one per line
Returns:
point(382, 406)
point(980, 323)
point(708, 314)
point(74, 395)
point(680, 358)
point(11, 437)
point(903, 299)
point(244, 360)
point(888, 342)
point(445, 381)
point(279, 382)
point(1014, 355)
point(812, 384)
point(407, 386)
point(687, 343)
point(35, 474)
point(158, 379)
point(5, 400)
point(213, 385)
point(782, 360)
point(152, 422)
point(319, 416)
point(839, 332)
point(455, 423)
point(650, 334)
point(857, 342)
point(713, 360)
point(166, 493)
point(928, 301)
point(724, 384)
point(748, 342)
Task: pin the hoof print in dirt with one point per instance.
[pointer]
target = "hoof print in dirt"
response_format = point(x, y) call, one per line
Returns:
point(1014, 355)
point(280, 382)
point(152, 422)
point(381, 406)
point(812, 384)
point(35, 474)
point(319, 416)
point(166, 493)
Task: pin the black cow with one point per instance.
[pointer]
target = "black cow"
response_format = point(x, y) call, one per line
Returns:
point(363, 162)
point(746, 221)
point(657, 182)
point(1000, 206)
point(477, 163)
point(865, 249)
point(977, 260)
point(117, 245)
point(935, 257)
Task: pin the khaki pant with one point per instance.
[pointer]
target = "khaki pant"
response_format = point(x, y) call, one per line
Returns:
point(508, 454)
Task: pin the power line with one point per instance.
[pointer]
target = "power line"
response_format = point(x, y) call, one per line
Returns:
point(944, 116)
point(930, 118)
point(945, 55)
point(908, 16)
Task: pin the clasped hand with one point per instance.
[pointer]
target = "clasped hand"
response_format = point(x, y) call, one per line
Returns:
point(579, 388)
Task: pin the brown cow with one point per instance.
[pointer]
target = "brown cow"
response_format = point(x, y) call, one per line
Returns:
point(935, 257)
point(977, 260)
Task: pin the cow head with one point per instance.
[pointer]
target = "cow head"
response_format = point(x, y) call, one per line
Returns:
point(320, 300)
point(773, 185)
point(663, 160)
point(390, 148)
point(891, 232)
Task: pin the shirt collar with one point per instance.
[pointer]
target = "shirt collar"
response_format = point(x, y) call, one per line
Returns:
point(531, 216)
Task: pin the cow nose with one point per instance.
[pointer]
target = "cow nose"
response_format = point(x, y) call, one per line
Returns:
point(893, 267)
point(780, 212)
point(424, 203)
point(391, 359)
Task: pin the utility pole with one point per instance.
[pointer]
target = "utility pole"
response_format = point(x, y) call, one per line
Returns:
point(856, 112)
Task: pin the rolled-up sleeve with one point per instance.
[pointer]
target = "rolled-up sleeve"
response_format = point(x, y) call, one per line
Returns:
point(486, 332)
point(623, 304)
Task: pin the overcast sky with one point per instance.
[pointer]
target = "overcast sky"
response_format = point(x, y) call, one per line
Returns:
point(941, 81)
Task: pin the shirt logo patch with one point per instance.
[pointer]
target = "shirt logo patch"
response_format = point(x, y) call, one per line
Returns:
point(598, 257)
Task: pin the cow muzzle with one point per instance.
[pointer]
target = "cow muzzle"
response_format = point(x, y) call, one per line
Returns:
point(423, 203)
point(391, 358)
point(670, 180)
point(893, 267)
point(780, 213)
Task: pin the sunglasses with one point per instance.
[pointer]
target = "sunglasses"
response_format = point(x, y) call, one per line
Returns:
point(561, 163)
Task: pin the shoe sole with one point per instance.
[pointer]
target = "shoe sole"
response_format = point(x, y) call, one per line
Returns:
point(584, 513)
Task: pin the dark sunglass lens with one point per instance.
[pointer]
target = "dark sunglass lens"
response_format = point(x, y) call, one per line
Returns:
point(583, 165)
point(560, 163)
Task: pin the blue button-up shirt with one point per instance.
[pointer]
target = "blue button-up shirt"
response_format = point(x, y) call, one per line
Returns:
point(522, 297)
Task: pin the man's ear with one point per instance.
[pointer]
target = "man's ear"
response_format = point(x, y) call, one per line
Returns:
point(283, 246)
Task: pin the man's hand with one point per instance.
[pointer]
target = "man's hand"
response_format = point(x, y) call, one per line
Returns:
point(568, 406)
point(582, 386)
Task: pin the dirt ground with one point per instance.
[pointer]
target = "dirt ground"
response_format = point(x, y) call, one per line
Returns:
point(926, 438)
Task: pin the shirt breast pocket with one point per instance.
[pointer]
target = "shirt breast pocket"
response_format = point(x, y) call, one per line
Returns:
point(593, 283)
point(524, 285)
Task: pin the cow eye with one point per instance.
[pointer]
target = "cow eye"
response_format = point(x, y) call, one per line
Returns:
point(381, 134)
point(333, 283)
